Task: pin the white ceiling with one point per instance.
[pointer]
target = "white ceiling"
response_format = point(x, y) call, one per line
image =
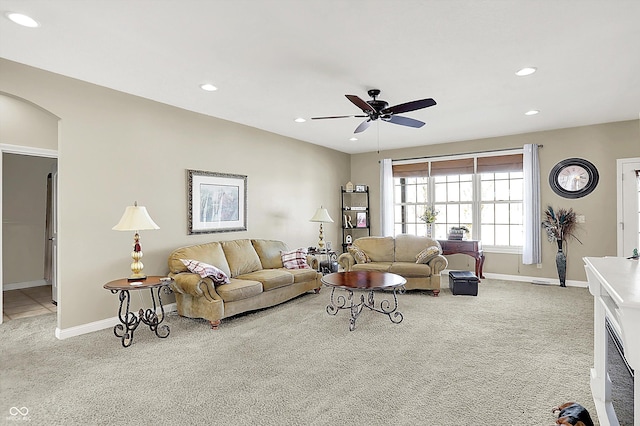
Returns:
point(275, 60)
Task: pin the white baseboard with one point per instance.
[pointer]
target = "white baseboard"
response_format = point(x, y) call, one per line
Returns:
point(25, 284)
point(78, 330)
point(527, 279)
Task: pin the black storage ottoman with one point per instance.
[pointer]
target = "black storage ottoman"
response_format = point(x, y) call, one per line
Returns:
point(463, 282)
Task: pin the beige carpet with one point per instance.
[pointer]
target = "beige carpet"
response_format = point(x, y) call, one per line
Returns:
point(504, 357)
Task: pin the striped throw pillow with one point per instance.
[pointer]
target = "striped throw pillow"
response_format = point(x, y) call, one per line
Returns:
point(206, 270)
point(295, 259)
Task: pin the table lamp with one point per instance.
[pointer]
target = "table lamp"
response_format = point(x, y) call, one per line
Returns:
point(322, 216)
point(136, 218)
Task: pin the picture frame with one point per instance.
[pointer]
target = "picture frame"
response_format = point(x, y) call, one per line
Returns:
point(361, 220)
point(361, 188)
point(217, 202)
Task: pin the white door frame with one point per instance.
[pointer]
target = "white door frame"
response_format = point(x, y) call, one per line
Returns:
point(22, 150)
point(620, 203)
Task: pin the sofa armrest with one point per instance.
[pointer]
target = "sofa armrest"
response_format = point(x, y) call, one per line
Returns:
point(193, 284)
point(346, 261)
point(438, 264)
point(312, 261)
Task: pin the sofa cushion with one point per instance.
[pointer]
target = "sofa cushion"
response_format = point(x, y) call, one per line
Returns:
point(379, 249)
point(210, 253)
point(270, 278)
point(408, 246)
point(410, 269)
point(358, 254)
point(269, 252)
point(372, 266)
point(241, 257)
point(239, 289)
point(206, 270)
point(294, 259)
point(427, 254)
point(302, 275)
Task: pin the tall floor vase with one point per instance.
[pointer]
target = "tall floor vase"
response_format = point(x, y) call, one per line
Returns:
point(561, 264)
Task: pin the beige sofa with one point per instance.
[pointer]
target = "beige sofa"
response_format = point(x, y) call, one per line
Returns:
point(398, 255)
point(257, 279)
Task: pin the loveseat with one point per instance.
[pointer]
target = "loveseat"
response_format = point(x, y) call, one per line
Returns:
point(418, 259)
point(237, 276)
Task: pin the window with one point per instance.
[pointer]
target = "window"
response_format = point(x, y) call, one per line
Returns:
point(501, 214)
point(482, 193)
point(410, 195)
point(453, 200)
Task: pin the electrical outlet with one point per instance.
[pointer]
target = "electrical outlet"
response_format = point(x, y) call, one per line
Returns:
point(539, 265)
point(580, 218)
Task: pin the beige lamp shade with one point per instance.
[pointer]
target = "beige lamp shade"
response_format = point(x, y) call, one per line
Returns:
point(322, 215)
point(135, 218)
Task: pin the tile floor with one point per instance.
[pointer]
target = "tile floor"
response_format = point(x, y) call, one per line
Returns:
point(27, 302)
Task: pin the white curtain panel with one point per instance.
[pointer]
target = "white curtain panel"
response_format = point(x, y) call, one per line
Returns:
point(386, 198)
point(531, 251)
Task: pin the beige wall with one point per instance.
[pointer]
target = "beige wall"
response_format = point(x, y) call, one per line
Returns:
point(26, 124)
point(115, 149)
point(24, 202)
point(601, 144)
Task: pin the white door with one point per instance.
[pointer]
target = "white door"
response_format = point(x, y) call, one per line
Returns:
point(628, 206)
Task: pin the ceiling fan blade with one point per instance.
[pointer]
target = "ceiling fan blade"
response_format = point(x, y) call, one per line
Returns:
point(409, 106)
point(364, 106)
point(339, 116)
point(363, 126)
point(404, 121)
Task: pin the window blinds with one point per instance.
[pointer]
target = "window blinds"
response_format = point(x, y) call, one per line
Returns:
point(461, 166)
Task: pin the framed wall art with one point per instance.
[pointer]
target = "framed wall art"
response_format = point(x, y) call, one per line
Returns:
point(217, 202)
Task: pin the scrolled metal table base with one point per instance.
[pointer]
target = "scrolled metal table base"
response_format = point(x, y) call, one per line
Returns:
point(129, 322)
point(385, 307)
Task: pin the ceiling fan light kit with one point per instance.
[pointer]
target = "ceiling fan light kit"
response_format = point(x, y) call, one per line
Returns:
point(375, 109)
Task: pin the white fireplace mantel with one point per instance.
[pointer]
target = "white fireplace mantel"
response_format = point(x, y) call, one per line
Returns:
point(615, 284)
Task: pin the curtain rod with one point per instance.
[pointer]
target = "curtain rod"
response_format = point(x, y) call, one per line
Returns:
point(462, 153)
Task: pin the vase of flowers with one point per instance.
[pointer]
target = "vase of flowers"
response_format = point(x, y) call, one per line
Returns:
point(560, 226)
point(429, 217)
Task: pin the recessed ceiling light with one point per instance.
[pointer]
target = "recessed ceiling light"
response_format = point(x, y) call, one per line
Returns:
point(23, 20)
point(299, 120)
point(532, 112)
point(208, 87)
point(526, 71)
point(353, 139)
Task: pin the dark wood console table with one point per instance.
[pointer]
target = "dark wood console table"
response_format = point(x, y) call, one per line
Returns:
point(471, 248)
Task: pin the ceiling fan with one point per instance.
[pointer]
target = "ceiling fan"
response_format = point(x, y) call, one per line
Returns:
point(379, 109)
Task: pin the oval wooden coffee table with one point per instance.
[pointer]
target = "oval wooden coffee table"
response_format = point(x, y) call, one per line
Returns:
point(368, 281)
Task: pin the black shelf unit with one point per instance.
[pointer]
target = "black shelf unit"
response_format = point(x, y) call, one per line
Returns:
point(355, 215)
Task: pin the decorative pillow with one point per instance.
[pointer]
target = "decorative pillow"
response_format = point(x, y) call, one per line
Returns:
point(206, 270)
point(427, 254)
point(359, 255)
point(295, 259)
